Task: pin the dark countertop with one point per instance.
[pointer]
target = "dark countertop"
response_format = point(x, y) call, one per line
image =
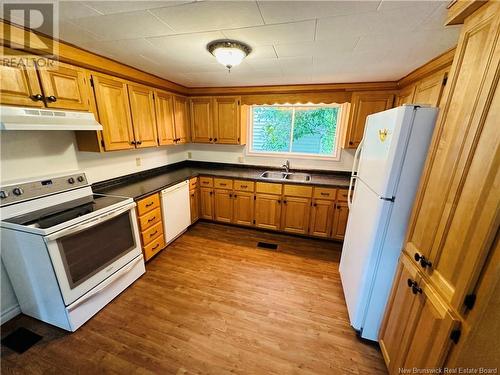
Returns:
point(139, 185)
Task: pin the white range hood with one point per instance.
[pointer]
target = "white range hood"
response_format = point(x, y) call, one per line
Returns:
point(19, 118)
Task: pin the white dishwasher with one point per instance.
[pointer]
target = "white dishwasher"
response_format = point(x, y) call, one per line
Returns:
point(176, 210)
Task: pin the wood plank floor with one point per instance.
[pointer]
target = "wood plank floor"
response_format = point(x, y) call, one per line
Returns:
point(214, 303)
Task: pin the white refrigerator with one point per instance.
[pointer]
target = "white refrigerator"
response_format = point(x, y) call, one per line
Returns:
point(386, 172)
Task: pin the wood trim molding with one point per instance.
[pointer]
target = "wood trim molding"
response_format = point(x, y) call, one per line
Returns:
point(438, 63)
point(74, 55)
point(459, 10)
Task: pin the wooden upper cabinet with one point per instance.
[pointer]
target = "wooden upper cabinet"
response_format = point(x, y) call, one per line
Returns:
point(429, 90)
point(226, 120)
point(295, 214)
point(405, 96)
point(114, 112)
point(362, 105)
point(243, 208)
point(65, 86)
point(164, 108)
point(19, 85)
point(340, 216)
point(399, 317)
point(143, 115)
point(181, 119)
point(201, 120)
point(321, 218)
point(452, 216)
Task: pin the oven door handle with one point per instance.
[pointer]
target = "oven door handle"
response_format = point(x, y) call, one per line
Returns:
point(89, 224)
point(115, 277)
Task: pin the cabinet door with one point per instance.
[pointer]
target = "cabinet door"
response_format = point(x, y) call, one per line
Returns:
point(19, 84)
point(223, 205)
point(143, 116)
point(65, 86)
point(194, 201)
point(429, 90)
point(340, 215)
point(406, 95)
point(362, 105)
point(243, 208)
point(321, 218)
point(399, 317)
point(206, 203)
point(295, 215)
point(181, 122)
point(267, 211)
point(455, 211)
point(114, 112)
point(201, 120)
point(226, 120)
point(164, 108)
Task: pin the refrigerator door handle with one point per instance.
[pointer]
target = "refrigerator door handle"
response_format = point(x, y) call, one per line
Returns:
point(354, 173)
point(349, 195)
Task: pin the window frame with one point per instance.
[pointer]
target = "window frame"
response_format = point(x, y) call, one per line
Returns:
point(296, 155)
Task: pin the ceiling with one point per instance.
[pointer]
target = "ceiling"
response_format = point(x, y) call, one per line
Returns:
point(293, 41)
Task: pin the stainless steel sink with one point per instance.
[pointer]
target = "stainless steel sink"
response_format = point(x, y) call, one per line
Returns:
point(273, 175)
point(291, 176)
point(299, 177)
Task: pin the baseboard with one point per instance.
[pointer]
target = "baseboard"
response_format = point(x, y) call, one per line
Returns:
point(10, 313)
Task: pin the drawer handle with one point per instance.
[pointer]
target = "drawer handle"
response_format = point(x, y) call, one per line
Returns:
point(221, 184)
point(244, 186)
point(205, 182)
point(152, 219)
point(155, 247)
point(325, 194)
point(414, 286)
point(423, 261)
point(149, 204)
point(152, 234)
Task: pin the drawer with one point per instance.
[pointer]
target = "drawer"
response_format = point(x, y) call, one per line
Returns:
point(342, 195)
point(325, 193)
point(154, 247)
point(193, 183)
point(298, 191)
point(149, 219)
point(244, 185)
point(267, 187)
point(223, 183)
point(150, 234)
point(206, 181)
point(147, 204)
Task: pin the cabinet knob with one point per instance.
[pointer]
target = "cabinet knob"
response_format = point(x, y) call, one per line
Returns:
point(51, 99)
point(139, 142)
point(424, 262)
point(315, 204)
point(414, 286)
point(132, 143)
point(215, 139)
point(351, 143)
point(37, 97)
point(210, 139)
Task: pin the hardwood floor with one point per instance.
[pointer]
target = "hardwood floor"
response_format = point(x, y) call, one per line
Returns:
point(214, 303)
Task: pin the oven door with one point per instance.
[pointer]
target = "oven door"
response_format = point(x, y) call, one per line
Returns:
point(88, 253)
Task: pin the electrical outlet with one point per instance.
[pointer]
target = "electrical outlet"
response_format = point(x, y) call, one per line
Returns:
point(241, 159)
point(189, 155)
point(138, 162)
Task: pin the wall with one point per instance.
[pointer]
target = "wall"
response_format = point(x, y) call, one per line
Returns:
point(31, 154)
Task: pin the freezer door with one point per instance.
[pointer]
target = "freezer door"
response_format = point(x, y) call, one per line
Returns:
point(366, 228)
point(384, 148)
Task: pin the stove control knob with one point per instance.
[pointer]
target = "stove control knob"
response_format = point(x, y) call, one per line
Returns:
point(18, 191)
point(71, 180)
point(80, 178)
point(3, 194)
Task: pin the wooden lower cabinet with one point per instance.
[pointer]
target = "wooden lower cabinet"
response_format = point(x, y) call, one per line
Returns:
point(206, 203)
point(321, 220)
point(340, 215)
point(243, 207)
point(223, 205)
point(150, 225)
point(295, 214)
point(417, 330)
point(194, 202)
point(267, 211)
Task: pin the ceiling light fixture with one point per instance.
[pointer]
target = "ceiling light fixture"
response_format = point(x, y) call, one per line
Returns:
point(228, 52)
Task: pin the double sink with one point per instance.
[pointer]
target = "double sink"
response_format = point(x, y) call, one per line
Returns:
point(286, 176)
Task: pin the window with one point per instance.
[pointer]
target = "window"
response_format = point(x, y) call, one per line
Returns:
point(305, 130)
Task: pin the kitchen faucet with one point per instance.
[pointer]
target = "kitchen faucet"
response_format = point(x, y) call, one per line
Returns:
point(286, 166)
